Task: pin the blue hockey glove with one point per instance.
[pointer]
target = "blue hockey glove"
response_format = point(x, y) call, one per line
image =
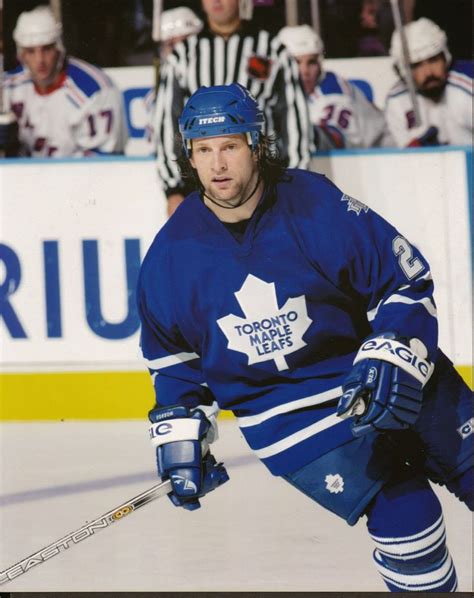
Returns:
point(182, 454)
point(327, 137)
point(426, 139)
point(384, 389)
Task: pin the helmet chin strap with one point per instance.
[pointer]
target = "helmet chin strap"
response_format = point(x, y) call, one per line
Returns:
point(237, 205)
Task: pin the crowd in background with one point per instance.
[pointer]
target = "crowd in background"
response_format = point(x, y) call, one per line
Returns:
point(320, 111)
point(112, 33)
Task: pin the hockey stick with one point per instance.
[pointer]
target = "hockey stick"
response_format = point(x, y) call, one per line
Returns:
point(397, 17)
point(86, 531)
point(56, 9)
point(156, 36)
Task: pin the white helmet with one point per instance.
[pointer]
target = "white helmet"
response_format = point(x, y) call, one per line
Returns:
point(301, 40)
point(179, 21)
point(37, 27)
point(425, 40)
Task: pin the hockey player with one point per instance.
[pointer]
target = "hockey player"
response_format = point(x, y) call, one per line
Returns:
point(341, 114)
point(230, 49)
point(443, 94)
point(176, 24)
point(64, 106)
point(273, 294)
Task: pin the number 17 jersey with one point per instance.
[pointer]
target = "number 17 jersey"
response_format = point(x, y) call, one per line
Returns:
point(80, 114)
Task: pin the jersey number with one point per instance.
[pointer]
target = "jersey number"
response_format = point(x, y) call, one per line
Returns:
point(40, 145)
point(107, 115)
point(411, 120)
point(342, 120)
point(410, 265)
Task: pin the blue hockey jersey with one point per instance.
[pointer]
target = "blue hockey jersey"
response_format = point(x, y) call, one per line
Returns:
point(268, 327)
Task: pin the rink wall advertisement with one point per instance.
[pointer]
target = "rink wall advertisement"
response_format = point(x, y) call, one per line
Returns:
point(73, 234)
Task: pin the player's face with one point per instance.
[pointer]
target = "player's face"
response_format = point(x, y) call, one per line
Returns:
point(310, 69)
point(41, 61)
point(430, 75)
point(226, 166)
point(221, 12)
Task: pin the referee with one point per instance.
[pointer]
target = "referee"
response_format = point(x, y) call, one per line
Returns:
point(228, 50)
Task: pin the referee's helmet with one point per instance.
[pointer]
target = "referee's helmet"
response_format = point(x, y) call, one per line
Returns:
point(178, 22)
point(221, 110)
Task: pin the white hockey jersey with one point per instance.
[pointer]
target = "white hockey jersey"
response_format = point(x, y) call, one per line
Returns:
point(80, 114)
point(341, 106)
point(452, 115)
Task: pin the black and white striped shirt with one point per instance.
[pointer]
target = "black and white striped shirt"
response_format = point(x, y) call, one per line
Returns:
point(252, 57)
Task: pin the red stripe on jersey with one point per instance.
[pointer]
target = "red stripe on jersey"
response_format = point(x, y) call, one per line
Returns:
point(58, 82)
point(74, 91)
point(463, 81)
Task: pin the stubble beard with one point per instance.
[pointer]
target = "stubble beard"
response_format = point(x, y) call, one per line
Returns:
point(224, 197)
point(240, 195)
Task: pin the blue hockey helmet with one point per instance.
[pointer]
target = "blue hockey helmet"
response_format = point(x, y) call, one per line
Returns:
point(221, 110)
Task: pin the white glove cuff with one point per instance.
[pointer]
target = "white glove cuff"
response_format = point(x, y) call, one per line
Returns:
point(174, 430)
point(399, 354)
point(211, 412)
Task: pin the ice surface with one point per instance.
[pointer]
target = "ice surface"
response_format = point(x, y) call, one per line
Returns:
point(255, 533)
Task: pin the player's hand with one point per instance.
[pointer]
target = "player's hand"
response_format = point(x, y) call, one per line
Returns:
point(426, 137)
point(383, 391)
point(183, 455)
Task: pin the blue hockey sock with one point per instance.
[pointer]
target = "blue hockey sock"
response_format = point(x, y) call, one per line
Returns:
point(406, 523)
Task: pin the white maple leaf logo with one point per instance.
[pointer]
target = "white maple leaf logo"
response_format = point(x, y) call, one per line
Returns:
point(354, 205)
point(334, 483)
point(268, 331)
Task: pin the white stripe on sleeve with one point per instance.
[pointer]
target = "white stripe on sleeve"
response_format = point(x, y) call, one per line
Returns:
point(170, 360)
point(396, 298)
